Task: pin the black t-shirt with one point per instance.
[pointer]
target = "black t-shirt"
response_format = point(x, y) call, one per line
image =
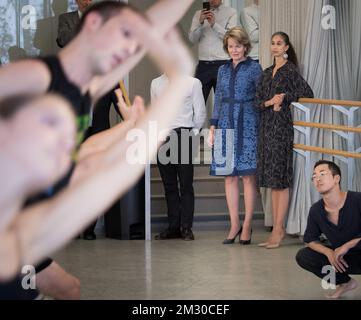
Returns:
point(60, 84)
point(348, 227)
point(81, 104)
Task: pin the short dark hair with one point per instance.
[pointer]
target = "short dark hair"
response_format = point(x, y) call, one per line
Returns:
point(106, 9)
point(334, 168)
point(11, 105)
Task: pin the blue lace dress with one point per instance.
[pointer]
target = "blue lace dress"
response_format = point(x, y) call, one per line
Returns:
point(236, 119)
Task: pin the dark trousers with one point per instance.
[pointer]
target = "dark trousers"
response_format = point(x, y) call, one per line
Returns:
point(207, 72)
point(180, 201)
point(99, 124)
point(313, 261)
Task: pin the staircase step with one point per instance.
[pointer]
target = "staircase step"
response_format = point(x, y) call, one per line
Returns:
point(205, 184)
point(214, 216)
point(204, 203)
point(200, 170)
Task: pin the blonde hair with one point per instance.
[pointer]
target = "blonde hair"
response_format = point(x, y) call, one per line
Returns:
point(240, 35)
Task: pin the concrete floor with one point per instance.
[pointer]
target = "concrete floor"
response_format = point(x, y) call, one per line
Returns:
point(200, 269)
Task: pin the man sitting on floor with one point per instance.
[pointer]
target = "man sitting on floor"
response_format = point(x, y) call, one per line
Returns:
point(338, 216)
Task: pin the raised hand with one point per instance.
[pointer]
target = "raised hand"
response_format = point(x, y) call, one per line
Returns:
point(170, 54)
point(130, 113)
point(203, 16)
point(211, 18)
point(339, 255)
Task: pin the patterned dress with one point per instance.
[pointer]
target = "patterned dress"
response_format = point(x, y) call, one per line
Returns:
point(275, 143)
point(236, 119)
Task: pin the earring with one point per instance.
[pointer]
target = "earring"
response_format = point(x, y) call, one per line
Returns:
point(285, 55)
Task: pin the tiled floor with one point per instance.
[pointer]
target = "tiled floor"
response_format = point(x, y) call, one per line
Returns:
point(200, 269)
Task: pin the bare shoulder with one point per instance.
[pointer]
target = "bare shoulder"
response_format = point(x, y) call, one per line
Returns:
point(25, 76)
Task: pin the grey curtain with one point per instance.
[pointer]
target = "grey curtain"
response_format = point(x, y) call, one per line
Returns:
point(17, 41)
point(282, 15)
point(331, 66)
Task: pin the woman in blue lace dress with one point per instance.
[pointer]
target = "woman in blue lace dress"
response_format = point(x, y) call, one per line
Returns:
point(234, 130)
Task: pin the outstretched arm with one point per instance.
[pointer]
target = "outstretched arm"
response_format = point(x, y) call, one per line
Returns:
point(163, 15)
point(44, 228)
point(24, 77)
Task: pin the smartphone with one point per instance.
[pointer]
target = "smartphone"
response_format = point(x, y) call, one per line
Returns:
point(206, 6)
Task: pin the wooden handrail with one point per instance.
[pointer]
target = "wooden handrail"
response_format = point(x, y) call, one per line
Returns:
point(125, 93)
point(346, 103)
point(326, 126)
point(327, 151)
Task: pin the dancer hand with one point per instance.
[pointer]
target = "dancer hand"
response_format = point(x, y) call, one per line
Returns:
point(335, 263)
point(130, 113)
point(339, 254)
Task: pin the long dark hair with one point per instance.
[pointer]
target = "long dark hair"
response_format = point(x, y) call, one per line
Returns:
point(291, 50)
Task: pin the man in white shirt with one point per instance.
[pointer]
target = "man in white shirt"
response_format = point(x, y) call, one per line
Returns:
point(187, 124)
point(250, 22)
point(207, 30)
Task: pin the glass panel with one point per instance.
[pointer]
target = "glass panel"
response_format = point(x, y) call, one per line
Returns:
point(29, 27)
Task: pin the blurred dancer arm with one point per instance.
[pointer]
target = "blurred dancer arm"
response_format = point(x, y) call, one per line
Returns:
point(168, 54)
point(25, 77)
point(44, 228)
point(163, 15)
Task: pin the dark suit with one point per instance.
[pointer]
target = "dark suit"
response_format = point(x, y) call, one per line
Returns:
point(67, 27)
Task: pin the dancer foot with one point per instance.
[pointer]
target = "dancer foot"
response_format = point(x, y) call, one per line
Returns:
point(343, 288)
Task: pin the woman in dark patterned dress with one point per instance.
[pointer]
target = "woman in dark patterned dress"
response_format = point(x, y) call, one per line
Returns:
point(234, 130)
point(281, 84)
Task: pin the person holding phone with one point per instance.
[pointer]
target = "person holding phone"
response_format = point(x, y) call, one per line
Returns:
point(209, 26)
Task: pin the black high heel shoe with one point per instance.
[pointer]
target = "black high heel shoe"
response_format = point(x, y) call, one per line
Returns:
point(230, 241)
point(246, 242)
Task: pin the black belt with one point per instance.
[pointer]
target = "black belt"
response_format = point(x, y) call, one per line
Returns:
point(215, 62)
point(179, 129)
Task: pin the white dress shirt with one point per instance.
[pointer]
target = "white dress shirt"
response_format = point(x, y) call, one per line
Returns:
point(210, 39)
point(250, 22)
point(193, 112)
